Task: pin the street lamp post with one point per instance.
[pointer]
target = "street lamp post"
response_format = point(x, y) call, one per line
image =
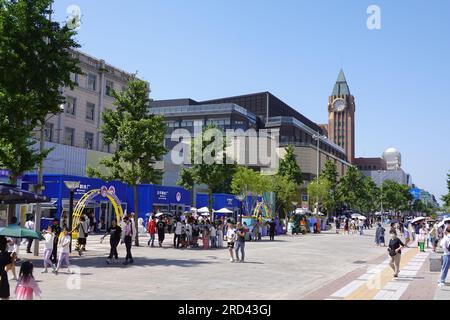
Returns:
point(241, 198)
point(318, 136)
point(72, 186)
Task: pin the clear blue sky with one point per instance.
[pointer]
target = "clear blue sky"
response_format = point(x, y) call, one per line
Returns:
point(204, 49)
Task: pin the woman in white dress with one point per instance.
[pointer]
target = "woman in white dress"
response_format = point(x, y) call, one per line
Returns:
point(219, 236)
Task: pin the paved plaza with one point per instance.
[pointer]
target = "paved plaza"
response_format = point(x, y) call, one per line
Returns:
point(314, 266)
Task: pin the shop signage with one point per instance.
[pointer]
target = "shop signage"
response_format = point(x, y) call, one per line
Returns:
point(162, 195)
point(178, 196)
point(82, 189)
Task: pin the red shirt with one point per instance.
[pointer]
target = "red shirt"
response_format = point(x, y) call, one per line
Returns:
point(151, 227)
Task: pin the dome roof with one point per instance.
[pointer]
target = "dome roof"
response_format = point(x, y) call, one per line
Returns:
point(391, 151)
point(392, 155)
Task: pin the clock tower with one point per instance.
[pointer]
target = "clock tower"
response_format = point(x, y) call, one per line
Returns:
point(341, 117)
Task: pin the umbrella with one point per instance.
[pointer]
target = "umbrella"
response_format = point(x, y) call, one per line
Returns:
point(15, 231)
point(205, 214)
point(417, 219)
point(203, 210)
point(362, 218)
point(10, 194)
point(159, 214)
point(443, 222)
point(355, 215)
point(224, 210)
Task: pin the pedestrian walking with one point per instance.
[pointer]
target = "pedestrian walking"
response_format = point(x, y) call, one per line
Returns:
point(128, 235)
point(12, 249)
point(220, 235)
point(151, 229)
point(30, 226)
point(205, 235)
point(48, 244)
point(56, 230)
point(177, 234)
point(434, 237)
point(379, 235)
point(394, 249)
point(26, 286)
point(115, 234)
point(422, 238)
point(189, 233)
point(406, 234)
point(213, 236)
point(240, 242)
point(361, 227)
point(82, 229)
point(5, 260)
point(338, 225)
point(445, 244)
point(195, 234)
point(64, 250)
point(231, 238)
point(161, 228)
point(346, 227)
point(169, 225)
point(272, 230)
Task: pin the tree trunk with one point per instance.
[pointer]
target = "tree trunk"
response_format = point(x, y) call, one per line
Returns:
point(136, 215)
point(11, 207)
point(286, 215)
point(210, 202)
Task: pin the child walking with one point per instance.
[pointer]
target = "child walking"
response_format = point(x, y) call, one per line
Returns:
point(49, 237)
point(64, 244)
point(27, 286)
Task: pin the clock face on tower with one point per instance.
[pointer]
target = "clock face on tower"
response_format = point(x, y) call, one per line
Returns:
point(338, 105)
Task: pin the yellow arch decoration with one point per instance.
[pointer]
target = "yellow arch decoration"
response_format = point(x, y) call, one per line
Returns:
point(81, 204)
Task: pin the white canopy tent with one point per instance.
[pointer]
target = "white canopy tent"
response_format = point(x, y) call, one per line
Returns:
point(203, 210)
point(224, 210)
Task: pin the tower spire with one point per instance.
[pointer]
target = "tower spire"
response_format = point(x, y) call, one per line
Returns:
point(341, 86)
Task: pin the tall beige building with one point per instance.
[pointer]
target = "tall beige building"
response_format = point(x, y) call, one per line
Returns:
point(79, 124)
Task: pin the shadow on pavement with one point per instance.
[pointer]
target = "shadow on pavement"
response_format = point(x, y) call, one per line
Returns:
point(100, 262)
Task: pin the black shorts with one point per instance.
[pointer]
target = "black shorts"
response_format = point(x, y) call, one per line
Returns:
point(82, 241)
point(230, 245)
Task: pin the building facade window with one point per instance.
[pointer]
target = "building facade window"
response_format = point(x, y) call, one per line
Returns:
point(69, 136)
point(74, 78)
point(49, 132)
point(172, 124)
point(92, 82)
point(71, 105)
point(90, 111)
point(109, 88)
point(89, 140)
point(187, 123)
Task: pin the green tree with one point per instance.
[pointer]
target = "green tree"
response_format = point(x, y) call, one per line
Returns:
point(318, 190)
point(396, 197)
point(289, 168)
point(351, 187)
point(286, 192)
point(243, 183)
point(446, 198)
point(329, 173)
point(35, 62)
point(209, 163)
point(369, 198)
point(139, 138)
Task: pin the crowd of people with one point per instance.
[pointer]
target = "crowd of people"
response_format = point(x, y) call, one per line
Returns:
point(346, 225)
point(427, 234)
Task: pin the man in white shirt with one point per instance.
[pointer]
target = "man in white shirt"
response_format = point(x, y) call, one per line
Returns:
point(30, 226)
point(445, 244)
point(212, 236)
point(177, 235)
point(231, 238)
